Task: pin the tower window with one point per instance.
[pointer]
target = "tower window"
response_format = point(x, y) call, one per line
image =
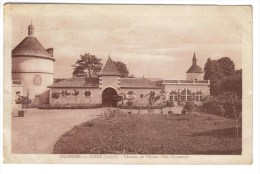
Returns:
point(37, 80)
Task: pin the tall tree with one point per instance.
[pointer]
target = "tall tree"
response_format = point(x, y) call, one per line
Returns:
point(227, 66)
point(214, 73)
point(87, 66)
point(233, 83)
point(121, 67)
point(207, 68)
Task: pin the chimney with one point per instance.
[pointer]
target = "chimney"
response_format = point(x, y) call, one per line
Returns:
point(50, 51)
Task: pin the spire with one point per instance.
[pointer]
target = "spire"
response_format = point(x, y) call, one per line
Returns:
point(194, 67)
point(194, 59)
point(31, 29)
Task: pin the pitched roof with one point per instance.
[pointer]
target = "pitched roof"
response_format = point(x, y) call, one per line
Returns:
point(30, 46)
point(139, 83)
point(78, 82)
point(109, 69)
point(81, 82)
point(55, 80)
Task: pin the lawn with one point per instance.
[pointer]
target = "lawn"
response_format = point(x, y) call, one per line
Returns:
point(152, 134)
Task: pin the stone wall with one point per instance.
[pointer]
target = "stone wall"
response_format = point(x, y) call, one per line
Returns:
point(109, 81)
point(36, 74)
point(140, 96)
point(35, 89)
point(80, 99)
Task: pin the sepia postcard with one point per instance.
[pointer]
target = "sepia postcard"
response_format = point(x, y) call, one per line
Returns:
point(127, 84)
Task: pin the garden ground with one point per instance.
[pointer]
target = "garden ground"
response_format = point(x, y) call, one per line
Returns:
point(120, 133)
point(39, 129)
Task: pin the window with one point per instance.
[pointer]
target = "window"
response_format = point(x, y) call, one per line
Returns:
point(87, 93)
point(37, 80)
point(183, 95)
point(173, 96)
point(189, 95)
point(198, 96)
point(186, 95)
point(141, 95)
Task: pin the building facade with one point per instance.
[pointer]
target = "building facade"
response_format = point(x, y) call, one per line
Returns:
point(109, 83)
point(32, 71)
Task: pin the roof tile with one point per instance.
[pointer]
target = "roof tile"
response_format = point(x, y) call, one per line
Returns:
point(77, 82)
point(30, 46)
point(109, 69)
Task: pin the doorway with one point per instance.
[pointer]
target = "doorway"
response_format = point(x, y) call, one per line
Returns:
point(108, 99)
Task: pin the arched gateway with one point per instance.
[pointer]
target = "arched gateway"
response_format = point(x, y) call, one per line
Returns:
point(108, 97)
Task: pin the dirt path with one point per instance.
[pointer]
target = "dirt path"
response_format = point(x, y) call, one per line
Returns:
point(39, 130)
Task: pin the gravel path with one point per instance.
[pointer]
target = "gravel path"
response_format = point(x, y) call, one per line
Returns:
point(39, 130)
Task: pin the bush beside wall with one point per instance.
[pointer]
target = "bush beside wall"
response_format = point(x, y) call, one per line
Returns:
point(223, 109)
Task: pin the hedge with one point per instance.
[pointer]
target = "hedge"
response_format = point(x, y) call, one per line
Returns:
point(93, 106)
point(141, 107)
point(223, 109)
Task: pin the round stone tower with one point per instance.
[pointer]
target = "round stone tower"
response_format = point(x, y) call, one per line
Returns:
point(32, 64)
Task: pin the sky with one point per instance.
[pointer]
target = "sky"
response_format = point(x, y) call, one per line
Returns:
point(153, 41)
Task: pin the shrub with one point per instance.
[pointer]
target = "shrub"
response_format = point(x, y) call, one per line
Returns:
point(24, 101)
point(223, 109)
point(55, 95)
point(219, 110)
point(189, 107)
point(233, 109)
point(208, 106)
point(129, 103)
point(169, 103)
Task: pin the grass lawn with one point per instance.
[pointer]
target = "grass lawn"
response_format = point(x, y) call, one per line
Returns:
point(152, 134)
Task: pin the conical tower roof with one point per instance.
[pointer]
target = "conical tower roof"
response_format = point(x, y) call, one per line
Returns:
point(195, 68)
point(109, 69)
point(30, 47)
